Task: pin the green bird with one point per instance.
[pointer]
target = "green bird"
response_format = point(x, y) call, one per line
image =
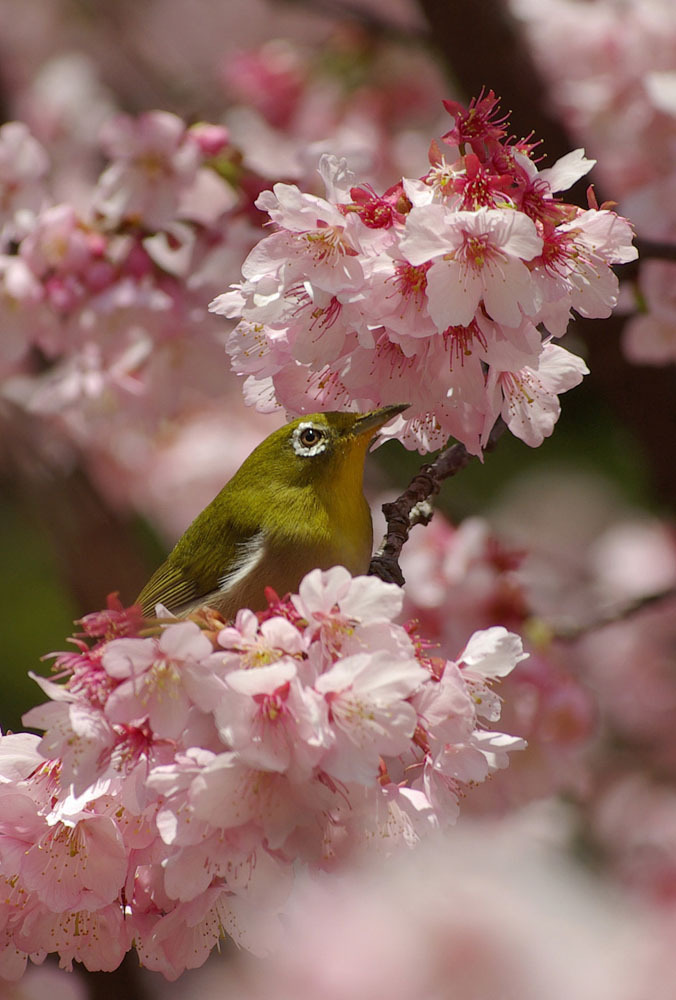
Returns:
point(296, 503)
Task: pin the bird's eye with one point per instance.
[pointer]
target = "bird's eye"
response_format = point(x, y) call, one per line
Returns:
point(309, 436)
point(308, 440)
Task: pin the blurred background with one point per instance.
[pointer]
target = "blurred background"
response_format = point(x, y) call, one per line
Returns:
point(120, 419)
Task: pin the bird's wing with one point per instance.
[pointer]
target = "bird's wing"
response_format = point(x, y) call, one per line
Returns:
point(168, 586)
point(181, 583)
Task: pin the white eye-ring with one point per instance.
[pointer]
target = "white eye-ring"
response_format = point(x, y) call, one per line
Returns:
point(308, 439)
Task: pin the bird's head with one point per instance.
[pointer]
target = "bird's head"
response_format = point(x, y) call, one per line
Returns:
point(326, 447)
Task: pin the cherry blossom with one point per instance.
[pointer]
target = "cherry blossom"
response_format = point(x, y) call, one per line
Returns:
point(475, 255)
point(104, 315)
point(184, 774)
point(153, 160)
point(371, 718)
point(527, 397)
point(490, 580)
point(419, 294)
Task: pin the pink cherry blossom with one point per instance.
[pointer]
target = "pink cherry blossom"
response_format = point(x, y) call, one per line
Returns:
point(98, 939)
point(315, 243)
point(23, 168)
point(527, 398)
point(323, 595)
point(257, 644)
point(273, 721)
point(153, 161)
point(475, 256)
point(19, 756)
point(184, 776)
point(362, 299)
point(78, 734)
point(152, 685)
point(366, 701)
point(492, 653)
point(576, 258)
point(78, 867)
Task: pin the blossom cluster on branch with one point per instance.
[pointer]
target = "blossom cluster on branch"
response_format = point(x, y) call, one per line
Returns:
point(432, 292)
point(184, 773)
point(95, 298)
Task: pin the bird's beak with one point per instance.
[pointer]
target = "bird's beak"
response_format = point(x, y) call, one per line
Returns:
point(371, 422)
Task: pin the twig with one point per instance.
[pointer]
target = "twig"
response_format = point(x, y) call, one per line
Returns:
point(611, 617)
point(377, 25)
point(655, 249)
point(414, 507)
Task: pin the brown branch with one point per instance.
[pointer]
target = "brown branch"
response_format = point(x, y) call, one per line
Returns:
point(369, 20)
point(654, 249)
point(414, 507)
point(612, 617)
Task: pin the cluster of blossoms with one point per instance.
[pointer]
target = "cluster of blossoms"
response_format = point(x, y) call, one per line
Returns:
point(488, 580)
point(104, 279)
point(594, 701)
point(432, 293)
point(183, 774)
point(97, 299)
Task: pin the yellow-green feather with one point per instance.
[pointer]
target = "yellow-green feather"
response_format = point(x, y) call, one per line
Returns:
point(309, 510)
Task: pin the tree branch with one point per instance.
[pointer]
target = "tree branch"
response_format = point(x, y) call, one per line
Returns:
point(569, 633)
point(414, 507)
point(369, 20)
point(654, 249)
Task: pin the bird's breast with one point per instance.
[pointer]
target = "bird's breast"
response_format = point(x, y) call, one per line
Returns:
point(313, 535)
point(282, 567)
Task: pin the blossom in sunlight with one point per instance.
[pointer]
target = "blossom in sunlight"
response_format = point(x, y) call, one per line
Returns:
point(475, 256)
point(423, 293)
point(527, 397)
point(187, 769)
